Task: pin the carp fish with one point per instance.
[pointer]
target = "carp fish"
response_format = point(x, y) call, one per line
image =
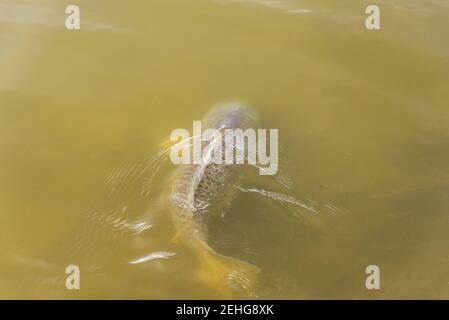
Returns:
point(201, 191)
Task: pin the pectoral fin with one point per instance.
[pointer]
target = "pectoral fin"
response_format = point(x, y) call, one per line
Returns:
point(177, 238)
point(167, 144)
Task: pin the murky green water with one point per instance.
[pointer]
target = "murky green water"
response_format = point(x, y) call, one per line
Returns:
point(363, 124)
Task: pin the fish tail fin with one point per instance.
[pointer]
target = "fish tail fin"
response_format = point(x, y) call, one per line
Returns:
point(227, 275)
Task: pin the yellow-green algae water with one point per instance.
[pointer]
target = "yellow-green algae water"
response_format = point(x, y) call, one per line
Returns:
point(363, 119)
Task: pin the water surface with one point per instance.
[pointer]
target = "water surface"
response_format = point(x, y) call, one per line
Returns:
point(363, 123)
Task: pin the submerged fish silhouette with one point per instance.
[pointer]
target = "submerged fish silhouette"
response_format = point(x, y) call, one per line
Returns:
point(199, 194)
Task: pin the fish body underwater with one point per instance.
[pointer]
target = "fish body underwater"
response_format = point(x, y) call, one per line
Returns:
point(200, 192)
